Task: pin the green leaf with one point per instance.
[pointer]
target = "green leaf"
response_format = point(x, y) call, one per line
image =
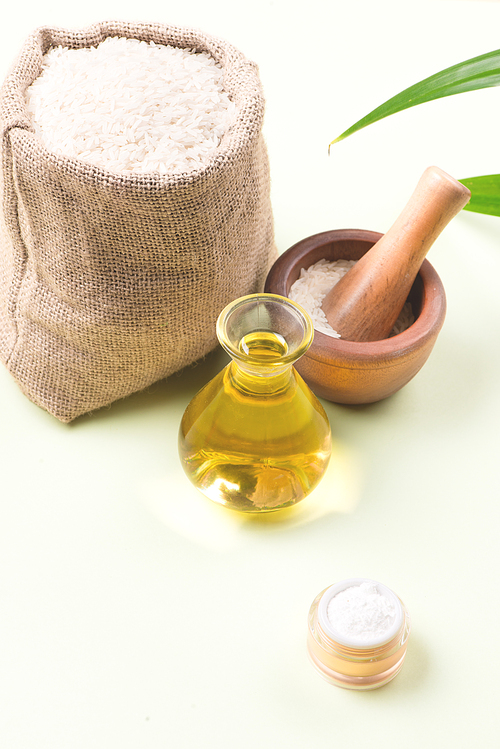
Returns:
point(485, 194)
point(478, 72)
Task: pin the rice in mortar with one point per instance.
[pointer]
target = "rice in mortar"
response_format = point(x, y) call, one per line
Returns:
point(315, 282)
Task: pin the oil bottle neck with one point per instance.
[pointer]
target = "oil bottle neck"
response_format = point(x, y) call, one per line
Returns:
point(260, 380)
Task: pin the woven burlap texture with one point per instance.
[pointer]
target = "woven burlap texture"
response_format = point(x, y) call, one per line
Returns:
point(111, 282)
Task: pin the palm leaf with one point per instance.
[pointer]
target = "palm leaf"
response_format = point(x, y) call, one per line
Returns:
point(471, 75)
point(485, 194)
point(478, 72)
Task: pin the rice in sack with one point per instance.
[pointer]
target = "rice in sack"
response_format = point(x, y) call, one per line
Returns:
point(130, 219)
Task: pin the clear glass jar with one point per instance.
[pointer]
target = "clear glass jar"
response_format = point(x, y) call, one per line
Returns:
point(346, 662)
point(256, 438)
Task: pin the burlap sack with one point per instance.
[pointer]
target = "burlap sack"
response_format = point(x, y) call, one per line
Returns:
point(110, 282)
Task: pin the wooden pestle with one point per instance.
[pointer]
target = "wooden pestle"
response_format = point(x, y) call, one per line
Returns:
point(367, 301)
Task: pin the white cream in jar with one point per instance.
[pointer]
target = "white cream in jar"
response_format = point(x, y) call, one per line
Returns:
point(358, 632)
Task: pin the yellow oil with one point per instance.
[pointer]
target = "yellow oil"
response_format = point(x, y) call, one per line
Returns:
point(255, 439)
point(264, 344)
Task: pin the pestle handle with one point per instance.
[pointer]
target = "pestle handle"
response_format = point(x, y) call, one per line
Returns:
point(366, 302)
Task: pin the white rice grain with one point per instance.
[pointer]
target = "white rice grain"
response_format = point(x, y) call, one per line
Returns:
point(315, 282)
point(131, 106)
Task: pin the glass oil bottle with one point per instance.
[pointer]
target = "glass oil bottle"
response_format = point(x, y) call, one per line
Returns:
point(255, 438)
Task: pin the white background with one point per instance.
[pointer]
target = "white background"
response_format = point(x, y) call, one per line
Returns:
point(134, 614)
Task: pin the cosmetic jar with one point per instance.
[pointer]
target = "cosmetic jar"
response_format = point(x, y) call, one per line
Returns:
point(342, 651)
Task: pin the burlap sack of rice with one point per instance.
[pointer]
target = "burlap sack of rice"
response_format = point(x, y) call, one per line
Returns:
point(110, 282)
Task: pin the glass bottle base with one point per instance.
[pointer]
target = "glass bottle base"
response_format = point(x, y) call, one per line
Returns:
point(252, 487)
